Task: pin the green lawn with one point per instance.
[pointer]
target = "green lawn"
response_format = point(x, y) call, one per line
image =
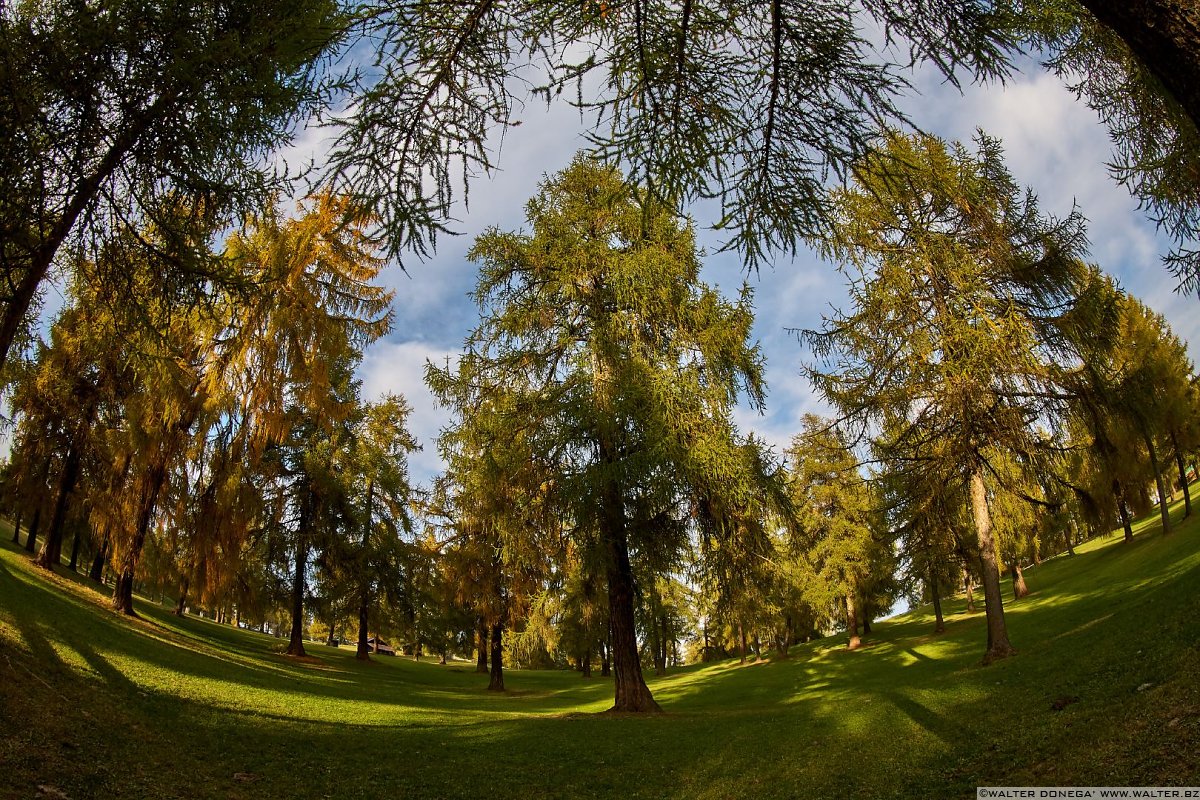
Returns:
point(95, 705)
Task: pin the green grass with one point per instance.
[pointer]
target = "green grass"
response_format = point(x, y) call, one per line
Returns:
point(96, 705)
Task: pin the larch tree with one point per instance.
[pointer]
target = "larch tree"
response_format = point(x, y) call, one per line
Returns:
point(319, 310)
point(623, 368)
point(961, 292)
point(383, 495)
point(835, 507)
point(112, 117)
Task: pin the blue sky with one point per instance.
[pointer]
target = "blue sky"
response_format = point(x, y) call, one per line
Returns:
point(1053, 144)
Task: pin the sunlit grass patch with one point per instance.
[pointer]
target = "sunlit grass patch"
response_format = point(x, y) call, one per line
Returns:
point(1101, 692)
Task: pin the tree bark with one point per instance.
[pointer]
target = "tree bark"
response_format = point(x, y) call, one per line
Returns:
point(73, 564)
point(481, 646)
point(969, 589)
point(998, 645)
point(630, 690)
point(17, 528)
point(605, 663)
point(741, 642)
point(155, 477)
point(496, 675)
point(1020, 589)
point(1123, 508)
point(1164, 35)
point(96, 573)
point(51, 554)
point(363, 653)
point(853, 643)
point(585, 662)
point(1163, 511)
point(32, 534)
point(296, 636)
point(939, 625)
point(1183, 482)
point(181, 604)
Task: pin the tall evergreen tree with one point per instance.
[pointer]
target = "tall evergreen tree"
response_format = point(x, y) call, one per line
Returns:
point(961, 293)
point(623, 368)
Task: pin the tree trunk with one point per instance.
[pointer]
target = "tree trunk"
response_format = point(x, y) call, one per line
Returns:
point(998, 645)
point(481, 646)
point(73, 564)
point(1163, 511)
point(656, 644)
point(296, 637)
point(155, 477)
point(17, 528)
point(585, 662)
point(363, 653)
point(31, 536)
point(1020, 589)
point(1123, 507)
point(1183, 482)
point(741, 643)
point(605, 663)
point(852, 623)
point(969, 588)
point(939, 625)
point(51, 554)
point(181, 605)
point(96, 572)
point(630, 690)
point(866, 621)
point(1164, 35)
point(496, 681)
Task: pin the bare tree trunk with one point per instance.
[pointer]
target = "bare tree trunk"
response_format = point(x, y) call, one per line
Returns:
point(496, 676)
point(1183, 482)
point(363, 652)
point(968, 587)
point(73, 564)
point(481, 645)
point(1163, 511)
point(998, 644)
point(181, 604)
point(32, 534)
point(1020, 589)
point(605, 662)
point(296, 638)
point(96, 573)
point(935, 590)
point(585, 662)
point(631, 692)
point(51, 554)
point(852, 623)
point(741, 642)
point(1123, 507)
point(151, 488)
point(17, 527)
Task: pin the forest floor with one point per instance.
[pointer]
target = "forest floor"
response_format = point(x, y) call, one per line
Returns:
point(1103, 691)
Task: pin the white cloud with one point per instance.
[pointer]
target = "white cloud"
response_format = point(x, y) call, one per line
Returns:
point(399, 368)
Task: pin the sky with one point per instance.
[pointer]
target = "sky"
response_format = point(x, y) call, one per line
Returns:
point(1053, 144)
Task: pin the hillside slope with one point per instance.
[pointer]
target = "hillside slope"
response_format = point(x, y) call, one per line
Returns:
point(1103, 691)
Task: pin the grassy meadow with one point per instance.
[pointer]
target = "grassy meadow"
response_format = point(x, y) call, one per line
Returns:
point(1103, 691)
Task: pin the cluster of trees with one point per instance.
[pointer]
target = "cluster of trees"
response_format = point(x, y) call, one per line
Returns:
point(215, 449)
point(192, 424)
